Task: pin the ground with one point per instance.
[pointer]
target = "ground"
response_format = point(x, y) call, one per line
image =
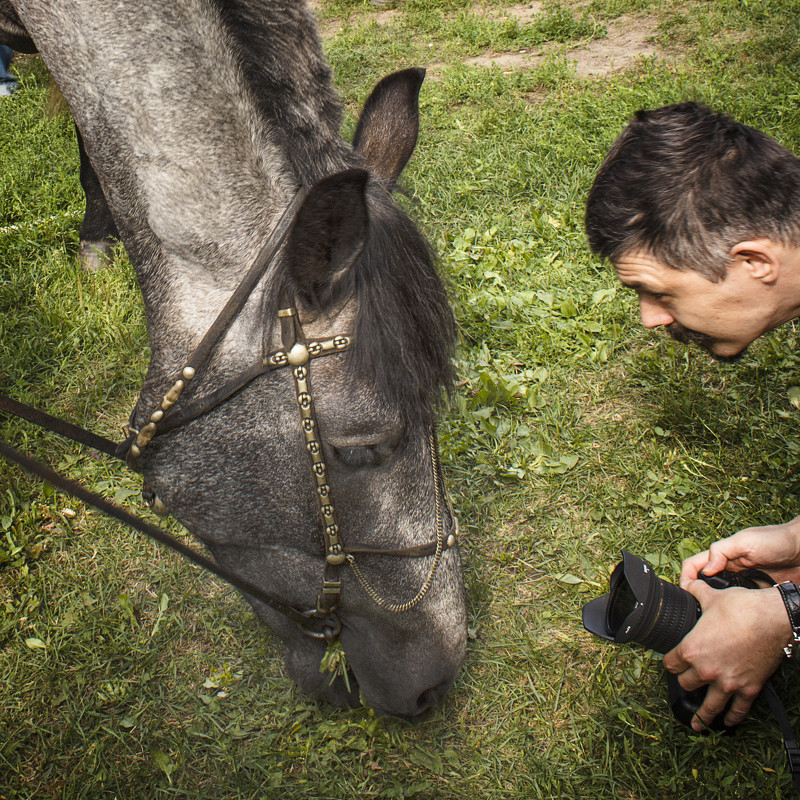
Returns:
point(628, 38)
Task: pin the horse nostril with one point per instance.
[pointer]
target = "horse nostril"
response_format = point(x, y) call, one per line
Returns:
point(431, 698)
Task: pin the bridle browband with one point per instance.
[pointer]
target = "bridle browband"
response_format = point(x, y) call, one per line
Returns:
point(321, 621)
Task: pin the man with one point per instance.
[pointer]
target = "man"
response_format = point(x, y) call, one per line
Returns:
point(700, 216)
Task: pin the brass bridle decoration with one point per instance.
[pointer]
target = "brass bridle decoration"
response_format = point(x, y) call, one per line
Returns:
point(298, 355)
point(320, 621)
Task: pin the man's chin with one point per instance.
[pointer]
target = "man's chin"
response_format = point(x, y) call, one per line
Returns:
point(702, 340)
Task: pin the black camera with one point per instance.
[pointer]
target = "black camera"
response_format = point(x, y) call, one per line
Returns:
point(642, 608)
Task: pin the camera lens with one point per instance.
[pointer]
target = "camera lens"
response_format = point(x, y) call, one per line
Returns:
point(641, 608)
point(672, 617)
point(621, 603)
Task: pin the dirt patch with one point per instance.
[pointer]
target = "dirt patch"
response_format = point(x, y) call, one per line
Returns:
point(330, 27)
point(522, 12)
point(628, 39)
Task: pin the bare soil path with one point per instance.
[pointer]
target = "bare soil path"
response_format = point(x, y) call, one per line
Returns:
point(628, 39)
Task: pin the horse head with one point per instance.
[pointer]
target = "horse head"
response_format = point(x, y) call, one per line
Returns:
point(242, 477)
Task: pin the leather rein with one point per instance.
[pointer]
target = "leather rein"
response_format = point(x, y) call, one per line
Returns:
point(320, 622)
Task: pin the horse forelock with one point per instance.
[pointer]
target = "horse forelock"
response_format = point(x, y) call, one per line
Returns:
point(404, 331)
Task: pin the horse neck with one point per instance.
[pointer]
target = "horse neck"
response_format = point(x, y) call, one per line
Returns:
point(198, 139)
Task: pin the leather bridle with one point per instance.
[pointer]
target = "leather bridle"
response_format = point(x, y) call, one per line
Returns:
point(320, 621)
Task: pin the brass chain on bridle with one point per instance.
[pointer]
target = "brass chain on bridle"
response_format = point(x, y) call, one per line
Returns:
point(297, 354)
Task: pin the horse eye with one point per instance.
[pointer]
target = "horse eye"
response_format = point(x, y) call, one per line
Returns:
point(364, 456)
point(356, 457)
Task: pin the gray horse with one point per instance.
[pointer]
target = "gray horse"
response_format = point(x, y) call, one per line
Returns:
point(202, 119)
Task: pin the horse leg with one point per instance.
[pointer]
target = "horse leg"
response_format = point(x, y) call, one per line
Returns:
point(99, 233)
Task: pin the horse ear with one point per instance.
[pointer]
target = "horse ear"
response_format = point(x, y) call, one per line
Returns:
point(328, 235)
point(387, 131)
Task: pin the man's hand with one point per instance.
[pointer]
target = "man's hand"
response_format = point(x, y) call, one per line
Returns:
point(734, 648)
point(772, 548)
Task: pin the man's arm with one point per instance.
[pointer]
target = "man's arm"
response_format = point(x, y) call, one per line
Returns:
point(773, 548)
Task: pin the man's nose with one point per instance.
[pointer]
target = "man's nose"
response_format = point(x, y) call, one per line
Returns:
point(653, 313)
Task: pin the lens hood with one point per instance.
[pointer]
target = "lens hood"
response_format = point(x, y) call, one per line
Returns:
point(638, 575)
point(640, 607)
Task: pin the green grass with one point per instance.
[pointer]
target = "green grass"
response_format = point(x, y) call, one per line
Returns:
point(573, 433)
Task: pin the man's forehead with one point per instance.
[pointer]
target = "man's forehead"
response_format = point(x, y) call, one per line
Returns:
point(642, 271)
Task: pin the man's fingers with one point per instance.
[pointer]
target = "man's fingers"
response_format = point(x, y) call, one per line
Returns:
point(675, 662)
point(713, 705)
point(738, 710)
point(692, 565)
point(701, 591)
point(718, 557)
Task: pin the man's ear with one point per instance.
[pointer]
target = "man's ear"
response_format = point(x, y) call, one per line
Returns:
point(760, 257)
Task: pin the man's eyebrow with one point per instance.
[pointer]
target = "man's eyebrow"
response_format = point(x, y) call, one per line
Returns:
point(638, 286)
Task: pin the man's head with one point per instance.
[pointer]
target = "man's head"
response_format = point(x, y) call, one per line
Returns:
point(701, 215)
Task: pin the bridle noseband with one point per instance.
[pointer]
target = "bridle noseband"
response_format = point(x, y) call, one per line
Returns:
point(320, 622)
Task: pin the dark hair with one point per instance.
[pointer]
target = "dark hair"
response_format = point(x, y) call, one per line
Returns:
point(684, 184)
point(404, 330)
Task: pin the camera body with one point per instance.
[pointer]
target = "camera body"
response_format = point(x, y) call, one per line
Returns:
point(642, 608)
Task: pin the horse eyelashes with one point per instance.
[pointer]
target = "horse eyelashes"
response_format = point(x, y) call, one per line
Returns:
point(364, 456)
point(356, 457)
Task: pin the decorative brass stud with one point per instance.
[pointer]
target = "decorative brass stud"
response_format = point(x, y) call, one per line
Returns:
point(171, 397)
point(134, 451)
point(146, 434)
point(451, 540)
point(189, 373)
point(157, 415)
point(298, 355)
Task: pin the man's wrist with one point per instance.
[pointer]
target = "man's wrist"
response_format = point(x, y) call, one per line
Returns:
point(790, 594)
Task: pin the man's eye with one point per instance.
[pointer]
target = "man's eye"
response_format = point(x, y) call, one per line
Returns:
point(364, 456)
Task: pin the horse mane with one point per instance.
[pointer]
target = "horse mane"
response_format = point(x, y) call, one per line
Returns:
point(404, 330)
point(290, 81)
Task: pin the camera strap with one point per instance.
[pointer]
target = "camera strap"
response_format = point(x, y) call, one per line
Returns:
point(789, 741)
point(684, 704)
